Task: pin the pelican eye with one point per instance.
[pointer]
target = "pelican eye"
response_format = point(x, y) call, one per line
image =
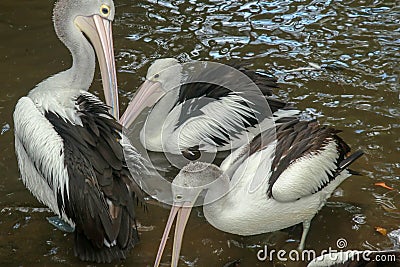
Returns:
point(178, 197)
point(156, 76)
point(105, 10)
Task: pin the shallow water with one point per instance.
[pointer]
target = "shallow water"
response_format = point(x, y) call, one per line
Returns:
point(362, 99)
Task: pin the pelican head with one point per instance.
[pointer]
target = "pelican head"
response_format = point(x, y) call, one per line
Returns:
point(162, 76)
point(186, 188)
point(76, 19)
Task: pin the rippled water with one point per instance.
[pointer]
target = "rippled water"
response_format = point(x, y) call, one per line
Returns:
point(361, 97)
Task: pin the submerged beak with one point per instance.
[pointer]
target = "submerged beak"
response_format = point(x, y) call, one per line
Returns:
point(99, 31)
point(147, 95)
point(182, 212)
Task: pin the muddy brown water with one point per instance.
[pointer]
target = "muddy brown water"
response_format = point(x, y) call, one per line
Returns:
point(362, 99)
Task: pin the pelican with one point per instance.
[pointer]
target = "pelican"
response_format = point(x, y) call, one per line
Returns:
point(266, 185)
point(200, 113)
point(68, 144)
point(359, 258)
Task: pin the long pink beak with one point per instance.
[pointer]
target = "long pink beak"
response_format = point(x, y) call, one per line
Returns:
point(99, 31)
point(182, 212)
point(147, 95)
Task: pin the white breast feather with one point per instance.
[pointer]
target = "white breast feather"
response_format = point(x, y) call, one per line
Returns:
point(334, 258)
point(57, 99)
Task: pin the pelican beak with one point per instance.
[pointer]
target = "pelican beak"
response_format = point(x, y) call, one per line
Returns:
point(182, 212)
point(147, 95)
point(99, 32)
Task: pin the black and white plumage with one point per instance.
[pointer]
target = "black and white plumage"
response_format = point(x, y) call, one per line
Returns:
point(276, 181)
point(196, 109)
point(68, 144)
point(362, 258)
point(358, 258)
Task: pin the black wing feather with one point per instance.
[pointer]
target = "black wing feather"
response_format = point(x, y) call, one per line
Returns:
point(298, 138)
point(99, 201)
point(266, 83)
point(191, 93)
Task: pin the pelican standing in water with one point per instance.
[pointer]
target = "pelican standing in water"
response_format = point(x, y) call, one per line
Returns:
point(200, 113)
point(68, 145)
point(264, 186)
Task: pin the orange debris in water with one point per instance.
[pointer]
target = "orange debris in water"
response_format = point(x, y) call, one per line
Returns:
point(382, 184)
point(381, 230)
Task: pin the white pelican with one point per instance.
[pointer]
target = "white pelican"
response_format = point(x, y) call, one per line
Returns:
point(258, 190)
point(358, 258)
point(195, 111)
point(67, 144)
point(362, 258)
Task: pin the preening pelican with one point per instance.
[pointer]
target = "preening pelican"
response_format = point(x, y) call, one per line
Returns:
point(68, 145)
point(273, 182)
point(203, 108)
